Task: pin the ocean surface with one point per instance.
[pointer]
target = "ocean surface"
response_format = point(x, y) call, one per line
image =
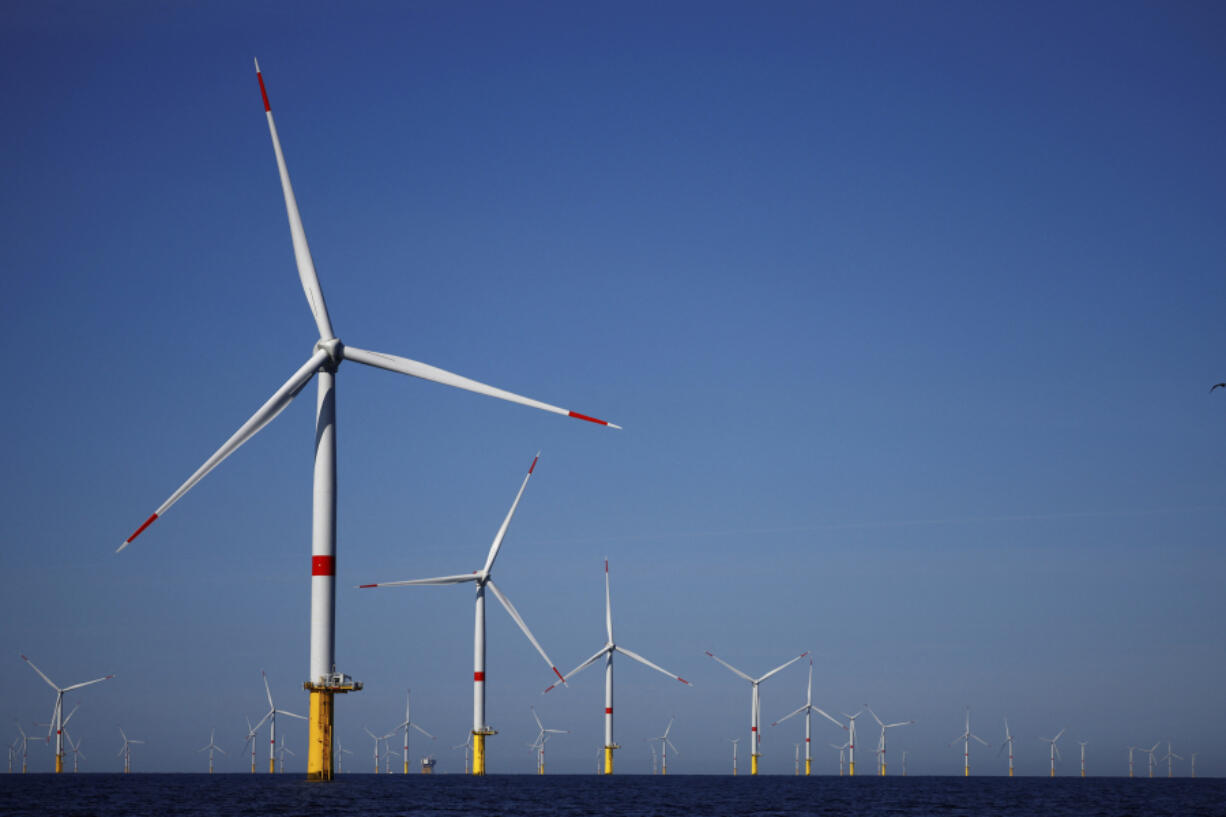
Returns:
point(48, 795)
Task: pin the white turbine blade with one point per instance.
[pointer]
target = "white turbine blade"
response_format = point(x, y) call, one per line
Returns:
point(302, 253)
point(582, 666)
point(372, 734)
point(423, 731)
point(64, 725)
point(291, 714)
point(537, 718)
point(671, 746)
point(260, 723)
point(223, 751)
point(668, 728)
point(414, 368)
point(608, 603)
point(272, 707)
point(1058, 755)
point(981, 740)
point(1061, 732)
point(523, 626)
point(783, 666)
point(729, 666)
point(874, 714)
point(902, 723)
point(791, 714)
point(506, 523)
point(41, 674)
point(828, 717)
point(87, 683)
point(437, 581)
point(281, 398)
point(645, 662)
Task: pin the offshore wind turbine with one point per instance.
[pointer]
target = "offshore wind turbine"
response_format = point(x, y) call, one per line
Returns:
point(1008, 742)
point(904, 763)
point(851, 740)
point(1083, 743)
point(126, 751)
point(483, 579)
point(1055, 750)
point(1131, 749)
point(881, 740)
point(1170, 756)
point(251, 734)
point(324, 681)
point(842, 754)
point(808, 709)
point(341, 751)
point(734, 741)
point(376, 739)
point(1150, 751)
point(283, 751)
point(76, 753)
point(655, 764)
point(542, 736)
point(57, 722)
point(466, 745)
point(271, 717)
point(965, 737)
point(25, 745)
point(1194, 754)
point(606, 652)
point(210, 747)
point(755, 714)
point(404, 725)
point(664, 744)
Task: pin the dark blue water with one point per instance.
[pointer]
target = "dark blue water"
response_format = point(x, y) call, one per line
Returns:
point(367, 795)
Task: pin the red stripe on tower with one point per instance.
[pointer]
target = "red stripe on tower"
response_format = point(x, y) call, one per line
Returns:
point(323, 566)
point(479, 676)
point(608, 710)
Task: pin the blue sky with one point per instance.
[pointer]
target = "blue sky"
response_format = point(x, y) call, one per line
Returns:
point(909, 311)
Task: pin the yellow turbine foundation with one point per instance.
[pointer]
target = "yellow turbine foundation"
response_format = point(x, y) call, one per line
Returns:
point(851, 769)
point(479, 749)
point(319, 726)
point(883, 770)
point(59, 763)
point(808, 766)
point(608, 759)
point(753, 764)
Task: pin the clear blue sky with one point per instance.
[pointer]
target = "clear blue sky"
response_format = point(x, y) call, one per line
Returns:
point(910, 312)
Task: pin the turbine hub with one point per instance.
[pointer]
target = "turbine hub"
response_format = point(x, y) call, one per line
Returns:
point(334, 348)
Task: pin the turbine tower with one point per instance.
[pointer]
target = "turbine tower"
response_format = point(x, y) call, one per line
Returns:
point(324, 681)
point(1131, 749)
point(57, 714)
point(1055, 750)
point(283, 751)
point(271, 717)
point(734, 741)
point(808, 709)
point(1082, 744)
point(1150, 751)
point(482, 579)
point(881, 740)
point(1008, 742)
point(665, 743)
point(210, 748)
point(542, 736)
point(842, 754)
point(1170, 756)
point(965, 737)
point(408, 721)
point(755, 714)
point(376, 739)
point(606, 652)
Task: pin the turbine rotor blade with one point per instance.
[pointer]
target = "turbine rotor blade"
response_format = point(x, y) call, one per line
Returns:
point(425, 371)
point(302, 252)
point(281, 398)
point(606, 648)
point(783, 666)
point(829, 717)
point(791, 714)
point(506, 523)
point(438, 581)
point(608, 603)
point(423, 731)
point(644, 661)
point(87, 683)
point(523, 626)
point(41, 674)
point(729, 666)
point(291, 714)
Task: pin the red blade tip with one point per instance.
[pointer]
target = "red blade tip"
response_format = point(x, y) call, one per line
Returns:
point(595, 420)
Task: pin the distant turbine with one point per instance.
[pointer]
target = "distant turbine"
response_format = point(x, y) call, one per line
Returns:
point(251, 735)
point(665, 743)
point(404, 726)
point(25, 745)
point(1082, 744)
point(842, 754)
point(755, 714)
point(655, 765)
point(808, 709)
point(376, 739)
point(210, 747)
point(881, 740)
point(283, 751)
point(851, 740)
point(1055, 750)
point(542, 736)
point(466, 745)
point(1170, 756)
point(965, 737)
point(1194, 764)
point(57, 713)
point(76, 753)
point(341, 751)
point(607, 651)
point(1008, 742)
point(734, 741)
point(1150, 751)
point(904, 763)
point(271, 717)
point(483, 579)
point(1131, 749)
point(126, 751)
point(327, 355)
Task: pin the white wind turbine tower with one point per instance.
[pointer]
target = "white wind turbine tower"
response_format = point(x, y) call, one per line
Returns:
point(283, 751)
point(850, 746)
point(808, 709)
point(665, 743)
point(965, 737)
point(376, 739)
point(404, 725)
point(1008, 742)
point(1055, 750)
point(542, 736)
point(904, 763)
point(324, 681)
point(57, 722)
point(655, 761)
point(734, 741)
point(210, 748)
point(76, 753)
point(842, 754)
point(1170, 756)
point(271, 717)
point(341, 751)
point(126, 751)
point(466, 745)
point(1131, 749)
point(251, 735)
point(755, 713)
point(483, 579)
point(606, 652)
point(1194, 754)
point(1082, 744)
point(881, 740)
point(1150, 751)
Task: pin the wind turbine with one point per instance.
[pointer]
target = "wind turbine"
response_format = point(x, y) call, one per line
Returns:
point(1008, 742)
point(881, 740)
point(376, 739)
point(126, 751)
point(543, 736)
point(665, 743)
point(1131, 749)
point(12, 753)
point(25, 745)
point(850, 745)
point(965, 737)
point(607, 651)
point(754, 704)
point(341, 751)
point(210, 747)
point(251, 740)
point(904, 763)
point(808, 710)
point(327, 355)
point(1083, 743)
point(483, 579)
point(283, 751)
point(466, 745)
point(734, 741)
point(76, 753)
point(655, 763)
point(1150, 751)
point(57, 713)
point(408, 721)
point(1194, 754)
point(271, 717)
point(1055, 750)
point(1170, 756)
point(842, 754)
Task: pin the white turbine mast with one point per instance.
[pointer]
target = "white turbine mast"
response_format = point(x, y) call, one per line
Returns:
point(1170, 757)
point(1082, 744)
point(755, 710)
point(881, 740)
point(1055, 750)
point(965, 737)
point(327, 354)
point(607, 652)
point(1150, 751)
point(842, 754)
point(734, 742)
point(404, 727)
point(57, 721)
point(466, 745)
point(482, 579)
point(283, 751)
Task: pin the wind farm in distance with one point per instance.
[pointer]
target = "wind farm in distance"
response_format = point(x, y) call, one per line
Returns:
point(876, 444)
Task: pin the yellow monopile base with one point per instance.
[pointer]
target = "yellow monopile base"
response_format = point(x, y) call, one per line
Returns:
point(478, 753)
point(272, 766)
point(1011, 773)
point(966, 771)
point(608, 759)
point(808, 766)
point(59, 763)
point(753, 764)
point(851, 769)
point(882, 770)
point(406, 767)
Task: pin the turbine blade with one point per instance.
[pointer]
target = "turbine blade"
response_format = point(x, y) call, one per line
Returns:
point(423, 731)
point(608, 603)
point(645, 662)
point(783, 666)
point(302, 252)
point(537, 718)
point(291, 714)
point(506, 523)
point(41, 674)
point(829, 717)
point(1061, 732)
point(582, 666)
point(523, 626)
point(791, 714)
point(87, 683)
point(438, 581)
point(271, 706)
point(729, 666)
point(874, 714)
point(281, 398)
point(425, 371)
point(981, 740)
